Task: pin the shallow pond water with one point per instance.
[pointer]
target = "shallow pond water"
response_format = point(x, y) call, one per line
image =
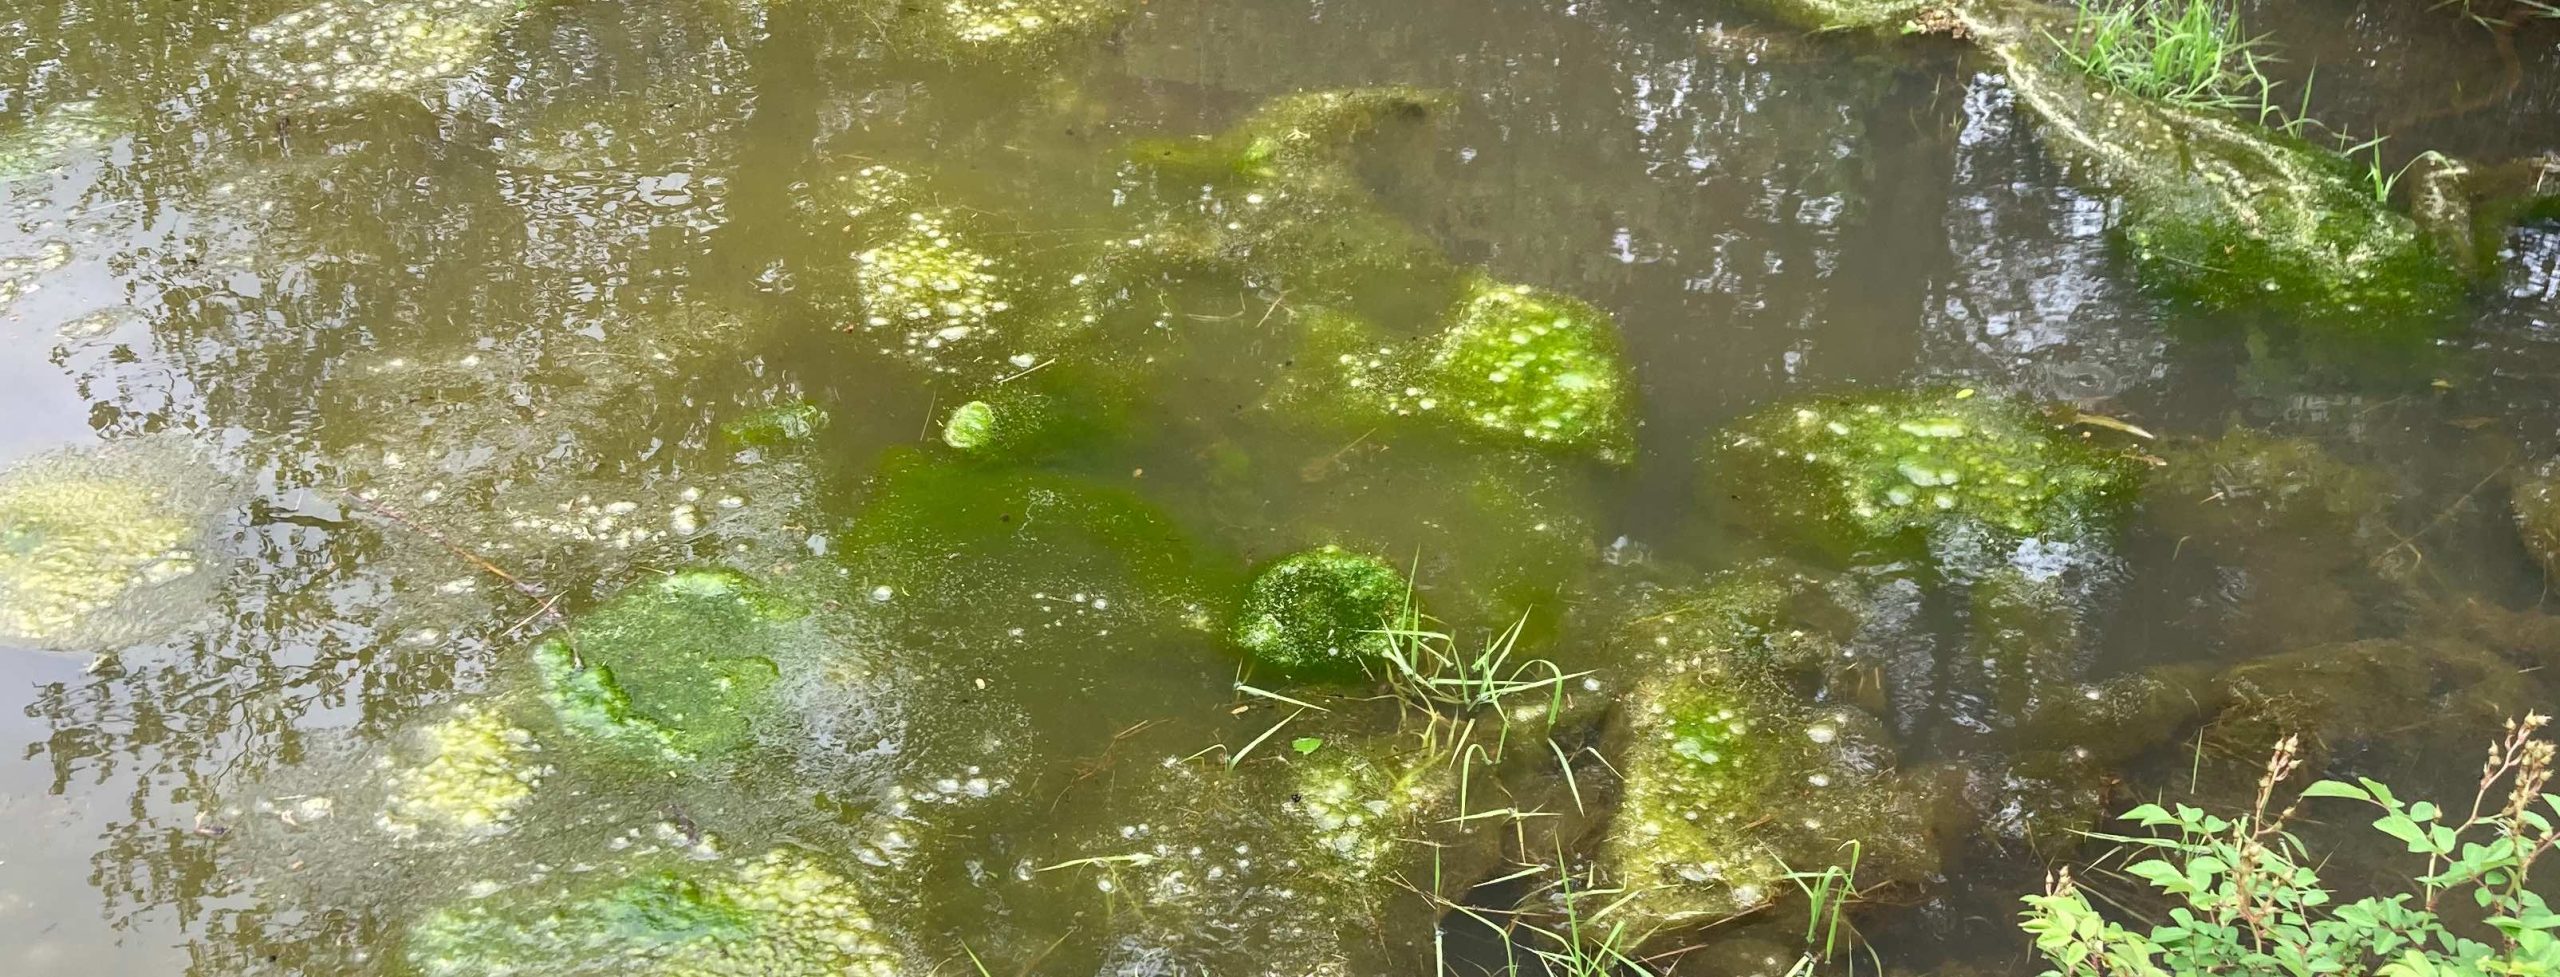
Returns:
point(1001, 352)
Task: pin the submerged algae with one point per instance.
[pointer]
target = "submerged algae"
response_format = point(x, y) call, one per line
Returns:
point(781, 915)
point(106, 545)
point(675, 669)
point(2536, 502)
point(1882, 470)
point(1322, 612)
point(779, 425)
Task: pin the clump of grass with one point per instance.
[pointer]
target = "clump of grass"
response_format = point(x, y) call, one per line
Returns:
point(1426, 668)
point(2185, 52)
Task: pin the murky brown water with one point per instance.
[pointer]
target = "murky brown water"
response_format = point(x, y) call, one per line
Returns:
point(517, 279)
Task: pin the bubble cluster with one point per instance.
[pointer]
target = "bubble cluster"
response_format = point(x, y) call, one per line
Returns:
point(929, 290)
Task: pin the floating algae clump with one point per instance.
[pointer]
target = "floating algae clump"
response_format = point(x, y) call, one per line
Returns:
point(2230, 215)
point(1320, 612)
point(479, 770)
point(1842, 15)
point(675, 669)
point(339, 50)
point(1879, 470)
point(105, 546)
point(972, 426)
point(1519, 362)
point(781, 915)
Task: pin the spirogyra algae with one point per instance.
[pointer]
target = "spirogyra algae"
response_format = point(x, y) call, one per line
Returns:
point(781, 915)
point(1321, 612)
point(1881, 470)
point(675, 669)
point(1519, 362)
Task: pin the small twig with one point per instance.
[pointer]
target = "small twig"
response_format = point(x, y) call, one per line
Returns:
point(450, 546)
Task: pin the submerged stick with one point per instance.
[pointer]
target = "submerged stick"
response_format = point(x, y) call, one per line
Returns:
point(546, 601)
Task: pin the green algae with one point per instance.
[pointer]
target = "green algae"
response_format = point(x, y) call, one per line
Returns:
point(105, 545)
point(1322, 612)
point(478, 770)
point(336, 51)
point(779, 425)
point(1730, 783)
point(1843, 15)
point(2232, 216)
point(998, 32)
point(780, 915)
point(675, 670)
point(1512, 364)
point(1276, 199)
point(1881, 471)
point(1056, 410)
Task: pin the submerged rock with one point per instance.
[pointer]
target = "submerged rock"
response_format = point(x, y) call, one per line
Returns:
point(1511, 364)
point(1885, 470)
point(776, 426)
point(675, 670)
point(2537, 507)
point(337, 51)
point(1322, 612)
point(2227, 214)
point(1731, 784)
point(477, 769)
point(780, 915)
point(107, 545)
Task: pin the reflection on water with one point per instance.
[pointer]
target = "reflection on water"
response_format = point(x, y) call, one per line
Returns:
point(457, 309)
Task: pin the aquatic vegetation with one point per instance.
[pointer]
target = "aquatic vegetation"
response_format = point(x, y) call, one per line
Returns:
point(675, 670)
point(2230, 215)
point(2182, 52)
point(1730, 784)
point(479, 770)
point(1844, 15)
point(2249, 898)
point(1060, 408)
point(779, 915)
point(1517, 362)
point(336, 51)
point(1884, 470)
point(1322, 612)
point(928, 289)
point(778, 425)
point(107, 545)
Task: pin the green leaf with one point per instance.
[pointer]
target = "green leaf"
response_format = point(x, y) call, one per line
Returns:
point(2424, 811)
point(2333, 788)
point(1306, 744)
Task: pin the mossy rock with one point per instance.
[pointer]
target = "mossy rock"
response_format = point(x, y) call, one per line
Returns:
point(779, 425)
point(475, 770)
point(783, 914)
point(1731, 783)
point(2261, 484)
point(1890, 471)
point(675, 670)
point(2232, 216)
point(1322, 613)
point(108, 545)
point(336, 51)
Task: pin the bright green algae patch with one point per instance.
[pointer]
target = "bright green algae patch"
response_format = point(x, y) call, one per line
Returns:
point(1321, 612)
point(1511, 364)
point(1884, 469)
point(781, 915)
point(478, 770)
point(675, 669)
point(2230, 215)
